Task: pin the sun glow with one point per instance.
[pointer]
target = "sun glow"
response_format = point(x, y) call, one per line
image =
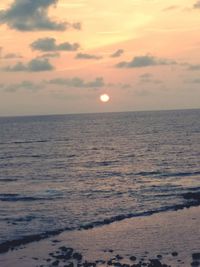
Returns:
point(104, 98)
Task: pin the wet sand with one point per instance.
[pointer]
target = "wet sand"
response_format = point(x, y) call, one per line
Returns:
point(164, 239)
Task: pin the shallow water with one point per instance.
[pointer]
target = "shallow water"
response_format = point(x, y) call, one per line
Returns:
point(71, 170)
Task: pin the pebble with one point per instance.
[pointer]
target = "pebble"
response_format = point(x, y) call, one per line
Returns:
point(174, 254)
point(55, 263)
point(77, 256)
point(133, 258)
point(196, 256)
point(195, 263)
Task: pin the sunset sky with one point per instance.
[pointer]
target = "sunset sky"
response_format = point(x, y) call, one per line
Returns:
point(60, 56)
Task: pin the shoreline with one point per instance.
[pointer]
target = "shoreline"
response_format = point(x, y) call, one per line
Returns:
point(192, 200)
point(171, 238)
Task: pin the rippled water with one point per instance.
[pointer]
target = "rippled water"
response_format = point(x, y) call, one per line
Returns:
point(70, 170)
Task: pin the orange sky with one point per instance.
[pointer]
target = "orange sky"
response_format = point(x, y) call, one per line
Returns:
point(58, 57)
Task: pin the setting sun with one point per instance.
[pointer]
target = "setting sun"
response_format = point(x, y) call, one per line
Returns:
point(104, 98)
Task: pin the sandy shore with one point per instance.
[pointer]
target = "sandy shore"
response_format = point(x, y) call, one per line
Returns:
point(163, 239)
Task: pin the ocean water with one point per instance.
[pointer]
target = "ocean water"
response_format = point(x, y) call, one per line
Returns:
point(70, 171)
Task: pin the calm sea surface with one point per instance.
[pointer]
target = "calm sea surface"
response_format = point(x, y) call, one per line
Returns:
point(66, 171)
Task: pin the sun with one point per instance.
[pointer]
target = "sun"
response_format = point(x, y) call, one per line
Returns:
point(104, 98)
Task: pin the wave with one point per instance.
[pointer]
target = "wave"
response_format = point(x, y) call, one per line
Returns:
point(34, 141)
point(182, 174)
point(17, 197)
point(8, 180)
point(192, 199)
point(24, 142)
point(27, 218)
point(22, 157)
point(100, 163)
point(192, 196)
point(170, 174)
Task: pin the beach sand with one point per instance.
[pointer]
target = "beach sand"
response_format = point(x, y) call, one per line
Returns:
point(164, 239)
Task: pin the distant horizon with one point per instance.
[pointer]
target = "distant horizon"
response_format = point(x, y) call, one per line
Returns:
point(90, 113)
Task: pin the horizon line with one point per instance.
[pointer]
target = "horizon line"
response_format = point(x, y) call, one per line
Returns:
point(90, 113)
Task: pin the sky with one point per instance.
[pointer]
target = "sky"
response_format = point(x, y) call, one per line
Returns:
point(59, 56)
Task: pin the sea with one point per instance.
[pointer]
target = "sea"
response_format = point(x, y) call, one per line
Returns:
point(67, 172)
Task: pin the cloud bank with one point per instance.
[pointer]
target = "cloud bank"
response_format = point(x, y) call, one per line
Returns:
point(50, 55)
point(78, 82)
point(32, 15)
point(12, 56)
point(193, 67)
point(87, 56)
point(35, 65)
point(148, 78)
point(144, 61)
point(49, 44)
point(197, 4)
point(170, 8)
point(75, 82)
point(27, 85)
point(118, 53)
